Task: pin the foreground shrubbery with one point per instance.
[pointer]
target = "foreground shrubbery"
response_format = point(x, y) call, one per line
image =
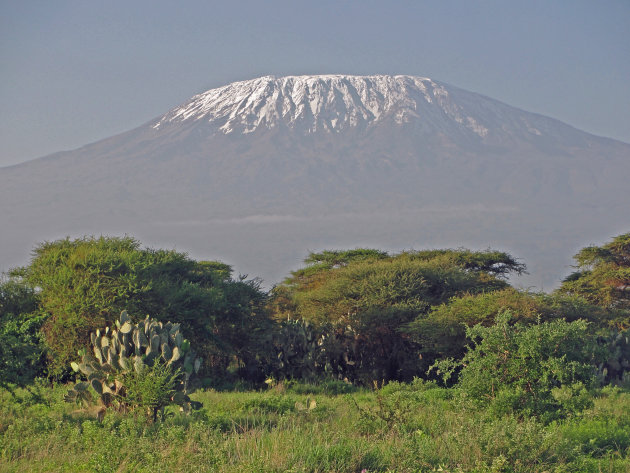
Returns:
point(544, 370)
point(359, 305)
point(416, 427)
point(21, 347)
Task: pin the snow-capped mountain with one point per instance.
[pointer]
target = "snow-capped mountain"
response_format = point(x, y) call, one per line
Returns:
point(337, 103)
point(259, 172)
point(321, 103)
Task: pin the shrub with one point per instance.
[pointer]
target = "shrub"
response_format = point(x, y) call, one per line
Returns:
point(152, 388)
point(442, 331)
point(543, 370)
point(21, 347)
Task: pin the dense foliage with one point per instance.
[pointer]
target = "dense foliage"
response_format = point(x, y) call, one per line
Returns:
point(603, 275)
point(441, 332)
point(362, 299)
point(363, 315)
point(84, 284)
point(21, 347)
point(543, 369)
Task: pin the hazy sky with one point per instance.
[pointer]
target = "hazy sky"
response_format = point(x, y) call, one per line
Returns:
point(73, 72)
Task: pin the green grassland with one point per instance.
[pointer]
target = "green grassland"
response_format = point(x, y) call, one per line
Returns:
point(414, 427)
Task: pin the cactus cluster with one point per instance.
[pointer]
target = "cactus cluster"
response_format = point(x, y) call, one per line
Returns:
point(616, 368)
point(130, 348)
point(307, 352)
point(298, 348)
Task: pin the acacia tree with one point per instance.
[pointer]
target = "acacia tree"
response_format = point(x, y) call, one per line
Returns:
point(366, 297)
point(84, 284)
point(603, 275)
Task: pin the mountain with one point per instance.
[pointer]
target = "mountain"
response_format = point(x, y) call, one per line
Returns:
point(259, 172)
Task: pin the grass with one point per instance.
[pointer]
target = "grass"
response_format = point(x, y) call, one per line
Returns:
point(401, 428)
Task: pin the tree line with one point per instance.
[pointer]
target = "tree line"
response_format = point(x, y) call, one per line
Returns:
point(364, 315)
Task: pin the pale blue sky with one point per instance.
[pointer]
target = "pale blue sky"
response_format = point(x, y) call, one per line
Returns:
point(77, 71)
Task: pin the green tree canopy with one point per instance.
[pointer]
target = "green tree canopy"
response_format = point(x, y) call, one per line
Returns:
point(21, 348)
point(335, 282)
point(492, 262)
point(84, 284)
point(373, 295)
point(442, 331)
point(603, 275)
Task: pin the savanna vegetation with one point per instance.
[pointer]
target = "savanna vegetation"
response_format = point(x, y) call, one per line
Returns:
point(135, 359)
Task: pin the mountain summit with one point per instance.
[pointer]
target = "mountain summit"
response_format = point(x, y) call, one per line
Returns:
point(321, 103)
point(337, 103)
point(259, 172)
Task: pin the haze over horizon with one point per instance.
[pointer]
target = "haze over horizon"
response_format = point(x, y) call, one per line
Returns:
point(77, 72)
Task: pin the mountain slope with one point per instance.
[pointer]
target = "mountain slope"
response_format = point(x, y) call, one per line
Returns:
point(261, 171)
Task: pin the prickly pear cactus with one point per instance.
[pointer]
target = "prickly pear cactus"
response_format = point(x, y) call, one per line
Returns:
point(297, 350)
point(306, 352)
point(131, 347)
point(616, 368)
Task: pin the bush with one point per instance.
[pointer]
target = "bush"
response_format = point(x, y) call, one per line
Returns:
point(152, 388)
point(543, 370)
point(21, 346)
point(442, 331)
